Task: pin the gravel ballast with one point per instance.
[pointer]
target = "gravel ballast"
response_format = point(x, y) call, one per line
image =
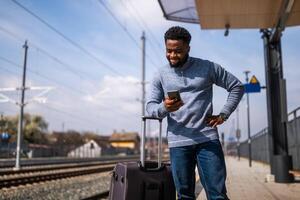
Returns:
point(70, 188)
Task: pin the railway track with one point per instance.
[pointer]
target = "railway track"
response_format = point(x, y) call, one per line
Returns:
point(47, 167)
point(9, 178)
point(10, 163)
point(79, 180)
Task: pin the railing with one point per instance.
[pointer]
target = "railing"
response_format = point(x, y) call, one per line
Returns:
point(294, 113)
point(260, 141)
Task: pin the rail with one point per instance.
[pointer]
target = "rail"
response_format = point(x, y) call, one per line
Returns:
point(59, 167)
point(294, 113)
point(10, 163)
point(9, 178)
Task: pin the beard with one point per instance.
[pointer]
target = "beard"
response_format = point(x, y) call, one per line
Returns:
point(180, 63)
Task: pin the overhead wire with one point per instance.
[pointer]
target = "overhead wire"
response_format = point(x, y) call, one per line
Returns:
point(119, 23)
point(49, 55)
point(78, 46)
point(124, 29)
point(36, 73)
point(7, 70)
point(142, 25)
point(43, 76)
point(57, 110)
point(51, 80)
point(52, 57)
point(72, 115)
point(145, 24)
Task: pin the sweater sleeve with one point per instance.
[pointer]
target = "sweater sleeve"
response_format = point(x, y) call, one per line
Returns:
point(155, 106)
point(233, 85)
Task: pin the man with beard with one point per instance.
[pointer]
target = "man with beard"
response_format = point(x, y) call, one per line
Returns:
point(192, 129)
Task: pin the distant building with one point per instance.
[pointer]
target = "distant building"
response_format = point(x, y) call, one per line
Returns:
point(38, 150)
point(91, 149)
point(106, 148)
point(125, 142)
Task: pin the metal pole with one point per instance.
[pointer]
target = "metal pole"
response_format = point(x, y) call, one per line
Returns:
point(159, 145)
point(248, 119)
point(266, 44)
point(238, 133)
point(237, 118)
point(142, 158)
point(20, 126)
point(280, 161)
point(143, 38)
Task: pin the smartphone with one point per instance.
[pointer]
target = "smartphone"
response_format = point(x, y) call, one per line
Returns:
point(174, 95)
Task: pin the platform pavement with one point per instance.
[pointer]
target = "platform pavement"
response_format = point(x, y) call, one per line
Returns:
point(245, 183)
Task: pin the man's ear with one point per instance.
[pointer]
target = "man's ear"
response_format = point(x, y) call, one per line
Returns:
point(188, 49)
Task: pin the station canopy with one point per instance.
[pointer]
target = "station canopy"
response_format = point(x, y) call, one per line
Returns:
point(237, 14)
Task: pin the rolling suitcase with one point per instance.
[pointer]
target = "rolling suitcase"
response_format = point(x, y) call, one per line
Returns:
point(143, 180)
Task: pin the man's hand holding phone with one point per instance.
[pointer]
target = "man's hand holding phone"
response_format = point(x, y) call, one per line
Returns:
point(173, 102)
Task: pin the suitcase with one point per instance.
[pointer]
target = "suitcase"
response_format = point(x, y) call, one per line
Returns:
point(143, 180)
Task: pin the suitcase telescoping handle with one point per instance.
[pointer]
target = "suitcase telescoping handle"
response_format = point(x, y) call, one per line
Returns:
point(144, 118)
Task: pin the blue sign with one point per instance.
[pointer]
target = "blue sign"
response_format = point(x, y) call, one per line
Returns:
point(5, 136)
point(252, 86)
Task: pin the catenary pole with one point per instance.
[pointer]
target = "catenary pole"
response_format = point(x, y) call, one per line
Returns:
point(238, 132)
point(248, 120)
point(143, 38)
point(20, 125)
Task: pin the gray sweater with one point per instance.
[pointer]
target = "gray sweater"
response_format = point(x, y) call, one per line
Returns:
point(194, 80)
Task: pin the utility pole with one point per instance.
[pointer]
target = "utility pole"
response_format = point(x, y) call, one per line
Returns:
point(143, 38)
point(20, 126)
point(248, 119)
point(238, 132)
point(39, 98)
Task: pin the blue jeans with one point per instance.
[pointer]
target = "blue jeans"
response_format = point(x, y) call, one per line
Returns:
point(209, 159)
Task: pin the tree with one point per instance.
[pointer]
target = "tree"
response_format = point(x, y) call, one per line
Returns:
point(68, 138)
point(11, 127)
point(34, 129)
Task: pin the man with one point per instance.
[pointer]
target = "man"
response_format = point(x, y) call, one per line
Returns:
point(192, 129)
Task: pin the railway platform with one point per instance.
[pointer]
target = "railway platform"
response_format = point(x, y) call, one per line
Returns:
point(245, 183)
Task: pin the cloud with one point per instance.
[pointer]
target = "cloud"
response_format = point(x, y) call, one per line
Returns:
point(117, 93)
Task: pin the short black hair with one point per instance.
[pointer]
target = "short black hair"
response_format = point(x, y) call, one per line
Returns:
point(178, 33)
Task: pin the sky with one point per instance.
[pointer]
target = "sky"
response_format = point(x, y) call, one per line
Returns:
point(89, 53)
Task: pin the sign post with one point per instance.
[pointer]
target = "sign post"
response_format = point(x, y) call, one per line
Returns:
point(252, 87)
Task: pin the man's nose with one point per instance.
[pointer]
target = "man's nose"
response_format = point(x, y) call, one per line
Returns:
point(172, 54)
